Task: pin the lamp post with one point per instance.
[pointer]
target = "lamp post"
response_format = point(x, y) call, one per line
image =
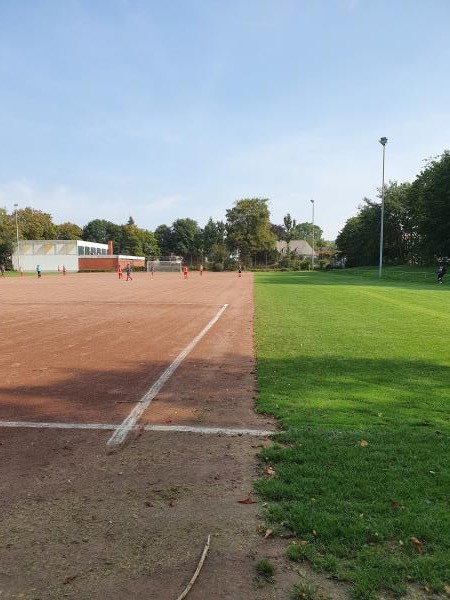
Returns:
point(17, 238)
point(312, 255)
point(383, 142)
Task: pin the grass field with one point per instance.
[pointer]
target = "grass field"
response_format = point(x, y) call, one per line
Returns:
point(358, 372)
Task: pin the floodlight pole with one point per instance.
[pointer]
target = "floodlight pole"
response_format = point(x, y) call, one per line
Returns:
point(312, 255)
point(17, 238)
point(383, 142)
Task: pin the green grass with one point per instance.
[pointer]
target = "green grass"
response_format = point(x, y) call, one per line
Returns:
point(344, 359)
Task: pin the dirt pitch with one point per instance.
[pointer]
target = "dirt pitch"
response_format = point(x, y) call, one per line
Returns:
point(81, 522)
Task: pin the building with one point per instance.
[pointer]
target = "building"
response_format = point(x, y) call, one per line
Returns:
point(299, 248)
point(74, 255)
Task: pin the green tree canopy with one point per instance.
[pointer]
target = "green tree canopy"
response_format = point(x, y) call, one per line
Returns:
point(248, 228)
point(68, 231)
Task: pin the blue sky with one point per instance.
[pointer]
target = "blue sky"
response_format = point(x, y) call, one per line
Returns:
point(163, 110)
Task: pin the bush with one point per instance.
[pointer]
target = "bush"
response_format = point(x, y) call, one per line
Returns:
point(217, 266)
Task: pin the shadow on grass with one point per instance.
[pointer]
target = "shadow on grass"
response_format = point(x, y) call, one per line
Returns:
point(363, 467)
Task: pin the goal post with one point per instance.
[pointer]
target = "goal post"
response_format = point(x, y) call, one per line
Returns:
point(168, 266)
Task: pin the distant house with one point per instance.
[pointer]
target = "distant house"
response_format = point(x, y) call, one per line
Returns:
point(300, 248)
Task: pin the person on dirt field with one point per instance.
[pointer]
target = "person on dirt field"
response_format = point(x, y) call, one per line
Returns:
point(128, 272)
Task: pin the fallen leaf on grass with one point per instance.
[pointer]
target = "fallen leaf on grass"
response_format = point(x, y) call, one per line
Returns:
point(247, 501)
point(447, 589)
point(416, 543)
point(363, 443)
point(270, 471)
point(395, 504)
point(268, 533)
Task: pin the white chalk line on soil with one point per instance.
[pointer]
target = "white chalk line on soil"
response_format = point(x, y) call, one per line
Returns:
point(231, 431)
point(119, 436)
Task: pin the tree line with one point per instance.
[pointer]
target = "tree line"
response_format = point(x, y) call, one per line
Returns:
point(416, 221)
point(246, 236)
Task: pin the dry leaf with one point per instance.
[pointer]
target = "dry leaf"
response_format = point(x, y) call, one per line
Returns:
point(395, 504)
point(363, 443)
point(270, 471)
point(69, 579)
point(268, 533)
point(416, 543)
point(447, 589)
point(303, 542)
point(247, 501)
point(426, 588)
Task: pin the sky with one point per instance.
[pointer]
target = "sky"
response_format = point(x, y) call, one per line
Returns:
point(166, 110)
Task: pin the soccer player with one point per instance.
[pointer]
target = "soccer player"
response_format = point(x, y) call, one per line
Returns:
point(119, 272)
point(185, 272)
point(128, 272)
point(201, 270)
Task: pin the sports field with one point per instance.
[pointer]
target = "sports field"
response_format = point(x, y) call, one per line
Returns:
point(358, 372)
point(118, 405)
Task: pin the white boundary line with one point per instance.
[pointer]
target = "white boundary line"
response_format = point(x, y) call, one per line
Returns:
point(232, 431)
point(119, 436)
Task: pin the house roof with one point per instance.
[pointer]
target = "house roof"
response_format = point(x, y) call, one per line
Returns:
point(299, 247)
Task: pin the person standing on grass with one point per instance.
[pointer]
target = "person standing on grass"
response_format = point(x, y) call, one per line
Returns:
point(441, 271)
point(119, 272)
point(128, 272)
point(38, 270)
point(185, 272)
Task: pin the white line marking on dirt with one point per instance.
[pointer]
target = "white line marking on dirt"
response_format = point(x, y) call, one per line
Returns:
point(35, 425)
point(119, 436)
point(232, 431)
point(210, 430)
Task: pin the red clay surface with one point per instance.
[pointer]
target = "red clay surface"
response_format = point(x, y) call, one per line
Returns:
point(81, 523)
point(84, 348)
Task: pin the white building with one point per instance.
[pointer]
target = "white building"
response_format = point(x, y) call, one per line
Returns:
point(51, 254)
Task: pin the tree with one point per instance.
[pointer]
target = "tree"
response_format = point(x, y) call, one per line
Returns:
point(358, 241)
point(149, 243)
point(429, 203)
point(278, 230)
point(304, 231)
point(68, 231)
point(102, 231)
point(289, 227)
point(7, 236)
point(35, 224)
point(164, 237)
point(185, 237)
point(248, 228)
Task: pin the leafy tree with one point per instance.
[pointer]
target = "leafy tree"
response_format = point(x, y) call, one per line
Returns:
point(35, 224)
point(149, 243)
point(131, 239)
point(164, 237)
point(358, 241)
point(429, 203)
point(304, 231)
point(278, 231)
point(248, 228)
point(185, 237)
point(213, 234)
point(7, 236)
point(68, 231)
point(289, 226)
point(101, 231)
